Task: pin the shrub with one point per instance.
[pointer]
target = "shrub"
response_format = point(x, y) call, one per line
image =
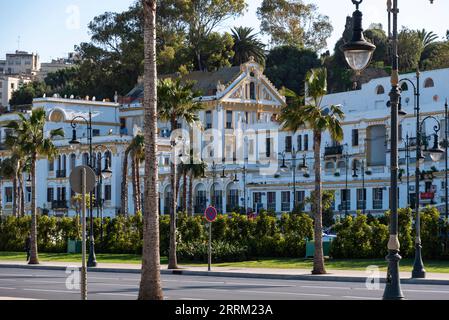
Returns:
point(430, 234)
point(197, 251)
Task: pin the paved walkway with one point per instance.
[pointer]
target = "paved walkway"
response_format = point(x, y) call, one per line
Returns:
point(288, 274)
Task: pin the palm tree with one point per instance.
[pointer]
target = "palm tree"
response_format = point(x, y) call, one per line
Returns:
point(311, 115)
point(30, 134)
point(136, 149)
point(150, 283)
point(19, 158)
point(137, 154)
point(176, 102)
point(7, 172)
point(426, 37)
point(246, 45)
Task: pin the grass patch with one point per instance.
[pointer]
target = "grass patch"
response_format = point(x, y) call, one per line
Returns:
point(438, 266)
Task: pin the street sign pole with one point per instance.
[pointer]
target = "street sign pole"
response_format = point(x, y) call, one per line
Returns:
point(83, 267)
point(210, 246)
point(211, 215)
point(82, 181)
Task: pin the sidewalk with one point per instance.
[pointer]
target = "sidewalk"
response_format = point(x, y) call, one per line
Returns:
point(285, 274)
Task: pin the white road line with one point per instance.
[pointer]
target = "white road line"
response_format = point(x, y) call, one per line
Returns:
point(15, 275)
point(363, 298)
point(43, 281)
point(7, 288)
point(427, 291)
point(285, 293)
point(118, 294)
point(320, 287)
point(261, 285)
point(45, 290)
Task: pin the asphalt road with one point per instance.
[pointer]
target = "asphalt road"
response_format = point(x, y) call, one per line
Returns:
point(51, 285)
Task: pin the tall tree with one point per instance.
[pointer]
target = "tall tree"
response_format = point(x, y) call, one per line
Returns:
point(202, 17)
point(320, 119)
point(426, 37)
point(410, 48)
point(292, 22)
point(176, 103)
point(29, 132)
point(246, 45)
point(287, 66)
point(150, 283)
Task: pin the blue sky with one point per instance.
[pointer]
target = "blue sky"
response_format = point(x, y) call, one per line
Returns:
point(51, 28)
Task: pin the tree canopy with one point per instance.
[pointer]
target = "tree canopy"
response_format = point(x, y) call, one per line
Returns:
point(294, 23)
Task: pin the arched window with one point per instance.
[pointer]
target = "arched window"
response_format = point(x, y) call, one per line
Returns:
point(380, 90)
point(429, 83)
point(252, 91)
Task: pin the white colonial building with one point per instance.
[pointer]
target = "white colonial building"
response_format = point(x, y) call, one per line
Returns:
point(241, 140)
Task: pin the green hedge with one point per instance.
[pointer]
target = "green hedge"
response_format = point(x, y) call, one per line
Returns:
point(367, 237)
point(235, 237)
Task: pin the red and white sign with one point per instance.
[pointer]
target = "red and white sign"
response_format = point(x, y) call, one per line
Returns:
point(211, 214)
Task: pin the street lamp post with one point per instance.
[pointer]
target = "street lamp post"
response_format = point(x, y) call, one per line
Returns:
point(105, 173)
point(358, 53)
point(346, 182)
point(92, 261)
point(293, 167)
point(435, 153)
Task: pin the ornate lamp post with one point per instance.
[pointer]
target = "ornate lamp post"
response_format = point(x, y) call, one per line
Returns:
point(293, 168)
point(435, 154)
point(92, 261)
point(106, 173)
point(358, 54)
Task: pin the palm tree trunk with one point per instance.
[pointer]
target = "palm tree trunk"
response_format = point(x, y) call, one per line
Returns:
point(15, 203)
point(150, 283)
point(139, 192)
point(34, 259)
point(124, 198)
point(184, 191)
point(318, 258)
point(21, 195)
point(190, 201)
point(172, 260)
point(134, 183)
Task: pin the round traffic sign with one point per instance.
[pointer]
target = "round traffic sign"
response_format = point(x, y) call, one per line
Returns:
point(211, 214)
point(75, 179)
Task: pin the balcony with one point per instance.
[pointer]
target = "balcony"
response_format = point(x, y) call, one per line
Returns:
point(61, 173)
point(59, 205)
point(333, 151)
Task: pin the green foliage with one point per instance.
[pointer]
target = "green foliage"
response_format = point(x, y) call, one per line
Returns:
point(235, 237)
point(27, 92)
point(430, 233)
point(246, 45)
point(294, 23)
point(287, 66)
point(410, 47)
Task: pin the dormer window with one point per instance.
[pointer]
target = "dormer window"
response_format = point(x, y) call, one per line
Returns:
point(380, 90)
point(429, 83)
point(252, 91)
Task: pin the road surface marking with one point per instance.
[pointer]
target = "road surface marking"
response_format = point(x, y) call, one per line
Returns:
point(320, 287)
point(47, 290)
point(261, 285)
point(285, 293)
point(7, 288)
point(426, 291)
point(15, 298)
point(364, 298)
point(118, 294)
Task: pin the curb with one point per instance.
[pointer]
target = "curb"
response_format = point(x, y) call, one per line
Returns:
point(302, 277)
